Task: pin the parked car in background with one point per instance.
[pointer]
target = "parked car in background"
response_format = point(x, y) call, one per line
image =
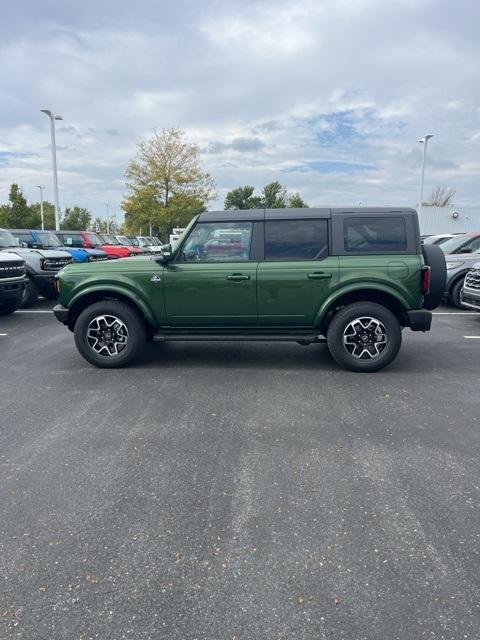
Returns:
point(36, 239)
point(438, 239)
point(42, 266)
point(13, 280)
point(470, 295)
point(126, 242)
point(92, 240)
point(464, 243)
point(356, 276)
point(146, 243)
point(111, 241)
point(458, 265)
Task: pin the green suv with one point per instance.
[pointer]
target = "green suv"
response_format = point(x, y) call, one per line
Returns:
point(352, 278)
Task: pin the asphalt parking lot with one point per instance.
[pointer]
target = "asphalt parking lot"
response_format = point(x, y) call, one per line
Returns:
point(228, 491)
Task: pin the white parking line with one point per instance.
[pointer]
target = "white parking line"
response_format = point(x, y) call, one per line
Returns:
point(3, 334)
point(472, 337)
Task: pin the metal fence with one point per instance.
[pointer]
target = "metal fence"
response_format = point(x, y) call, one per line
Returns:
point(448, 219)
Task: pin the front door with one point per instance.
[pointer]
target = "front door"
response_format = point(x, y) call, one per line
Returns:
point(212, 281)
point(297, 275)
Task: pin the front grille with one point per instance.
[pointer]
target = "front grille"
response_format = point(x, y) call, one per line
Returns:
point(55, 264)
point(97, 258)
point(472, 279)
point(12, 269)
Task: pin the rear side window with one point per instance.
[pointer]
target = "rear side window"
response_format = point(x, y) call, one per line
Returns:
point(296, 239)
point(374, 235)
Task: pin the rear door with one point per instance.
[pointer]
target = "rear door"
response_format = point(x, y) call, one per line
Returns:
point(297, 274)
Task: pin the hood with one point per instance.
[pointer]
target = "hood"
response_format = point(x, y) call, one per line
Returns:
point(470, 258)
point(45, 253)
point(6, 256)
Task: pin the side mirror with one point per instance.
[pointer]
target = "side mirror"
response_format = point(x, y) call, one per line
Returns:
point(165, 253)
point(24, 245)
point(466, 250)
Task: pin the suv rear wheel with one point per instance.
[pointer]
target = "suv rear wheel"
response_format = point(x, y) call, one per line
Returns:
point(109, 334)
point(364, 336)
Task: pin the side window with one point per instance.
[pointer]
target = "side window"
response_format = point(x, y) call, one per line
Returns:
point(374, 235)
point(72, 240)
point(218, 242)
point(296, 239)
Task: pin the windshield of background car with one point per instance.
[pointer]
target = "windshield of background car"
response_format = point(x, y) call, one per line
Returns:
point(49, 239)
point(125, 241)
point(453, 244)
point(109, 239)
point(134, 242)
point(436, 240)
point(94, 238)
point(7, 240)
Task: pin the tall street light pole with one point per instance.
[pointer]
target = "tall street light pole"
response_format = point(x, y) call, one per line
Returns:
point(41, 187)
point(423, 141)
point(54, 117)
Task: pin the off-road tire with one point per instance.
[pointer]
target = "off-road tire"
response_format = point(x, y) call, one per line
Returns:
point(435, 259)
point(30, 293)
point(352, 313)
point(6, 308)
point(132, 323)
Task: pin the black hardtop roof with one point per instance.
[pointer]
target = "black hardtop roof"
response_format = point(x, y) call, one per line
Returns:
point(233, 215)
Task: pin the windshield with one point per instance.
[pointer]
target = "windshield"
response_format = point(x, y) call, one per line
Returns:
point(134, 242)
point(7, 240)
point(450, 246)
point(94, 238)
point(109, 239)
point(49, 239)
point(125, 241)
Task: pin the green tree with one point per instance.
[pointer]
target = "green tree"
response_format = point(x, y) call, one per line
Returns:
point(19, 214)
point(3, 215)
point(295, 201)
point(242, 198)
point(274, 196)
point(99, 225)
point(48, 215)
point(76, 219)
point(165, 183)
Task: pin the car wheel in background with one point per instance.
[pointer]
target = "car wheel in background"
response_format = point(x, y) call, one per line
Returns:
point(109, 334)
point(364, 336)
point(455, 293)
point(30, 293)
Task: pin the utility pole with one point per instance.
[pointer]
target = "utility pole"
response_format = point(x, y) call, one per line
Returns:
point(423, 141)
point(41, 205)
point(54, 117)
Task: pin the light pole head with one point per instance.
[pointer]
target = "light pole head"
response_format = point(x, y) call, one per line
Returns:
point(58, 118)
point(426, 138)
point(47, 111)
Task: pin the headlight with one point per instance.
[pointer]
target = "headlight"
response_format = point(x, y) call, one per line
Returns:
point(452, 265)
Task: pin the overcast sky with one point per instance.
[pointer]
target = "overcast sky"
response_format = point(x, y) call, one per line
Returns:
point(328, 96)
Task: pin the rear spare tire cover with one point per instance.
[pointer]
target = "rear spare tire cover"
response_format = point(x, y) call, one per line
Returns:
point(435, 259)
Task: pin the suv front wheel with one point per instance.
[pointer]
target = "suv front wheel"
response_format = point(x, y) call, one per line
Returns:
point(109, 334)
point(364, 336)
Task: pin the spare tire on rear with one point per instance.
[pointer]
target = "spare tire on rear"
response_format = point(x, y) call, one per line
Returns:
point(435, 259)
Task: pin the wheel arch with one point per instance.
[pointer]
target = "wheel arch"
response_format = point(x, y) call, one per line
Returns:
point(387, 298)
point(87, 297)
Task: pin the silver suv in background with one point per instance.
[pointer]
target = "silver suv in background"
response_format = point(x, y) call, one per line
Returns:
point(147, 243)
point(458, 265)
point(470, 294)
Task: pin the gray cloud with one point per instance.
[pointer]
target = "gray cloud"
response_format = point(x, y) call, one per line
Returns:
point(262, 87)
